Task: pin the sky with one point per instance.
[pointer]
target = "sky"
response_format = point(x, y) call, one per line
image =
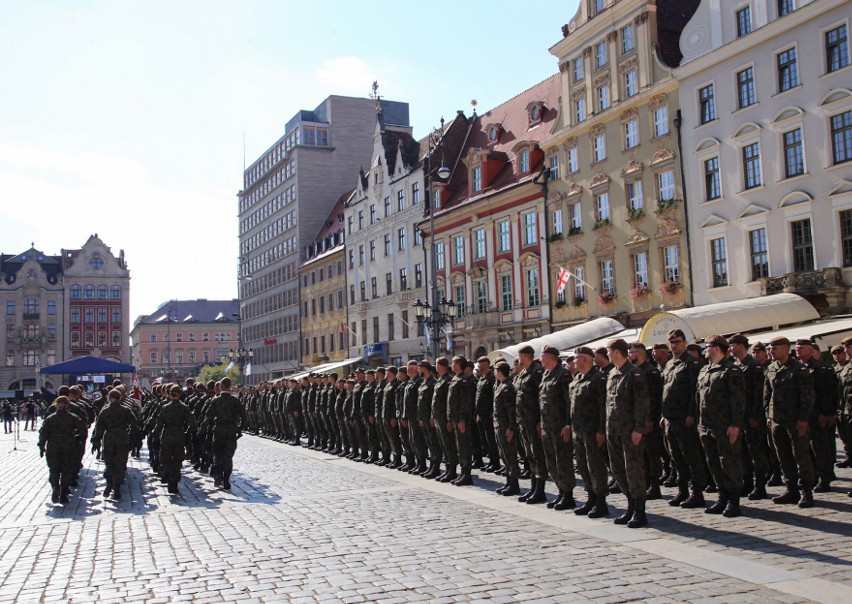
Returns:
point(132, 120)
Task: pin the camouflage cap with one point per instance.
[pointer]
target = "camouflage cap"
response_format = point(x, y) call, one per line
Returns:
point(552, 350)
point(526, 350)
point(837, 348)
point(847, 341)
point(483, 359)
point(779, 341)
point(675, 333)
point(585, 350)
point(804, 342)
point(738, 338)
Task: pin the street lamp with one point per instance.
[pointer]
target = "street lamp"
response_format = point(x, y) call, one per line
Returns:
point(242, 357)
point(435, 318)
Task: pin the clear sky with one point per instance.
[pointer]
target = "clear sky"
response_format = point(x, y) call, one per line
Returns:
point(127, 119)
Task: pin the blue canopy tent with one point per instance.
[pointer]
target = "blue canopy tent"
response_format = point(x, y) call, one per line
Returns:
point(88, 365)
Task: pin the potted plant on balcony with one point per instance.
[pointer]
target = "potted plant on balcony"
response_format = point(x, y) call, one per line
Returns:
point(575, 231)
point(603, 222)
point(670, 288)
point(555, 237)
point(635, 214)
point(579, 301)
point(640, 291)
point(665, 204)
point(606, 298)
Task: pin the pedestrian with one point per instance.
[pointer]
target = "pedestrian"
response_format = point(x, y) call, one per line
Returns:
point(225, 419)
point(30, 415)
point(58, 442)
point(8, 416)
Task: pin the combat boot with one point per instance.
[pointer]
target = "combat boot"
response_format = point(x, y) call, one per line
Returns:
point(601, 509)
point(396, 463)
point(528, 494)
point(823, 486)
point(588, 506)
point(791, 495)
point(614, 489)
point(748, 483)
point(566, 503)
point(512, 488)
point(807, 499)
point(732, 510)
point(719, 506)
point(477, 464)
point(639, 519)
point(434, 471)
point(464, 479)
point(63, 495)
point(776, 479)
point(672, 480)
point(759, 491)
point(499, 490)
point(538, 495)
point(682, 495)
point(54, 495)
point(450, 475)
point(653, 491)
point(107, 489)
point(626, 516)
point(551, 504)
point(695, 500)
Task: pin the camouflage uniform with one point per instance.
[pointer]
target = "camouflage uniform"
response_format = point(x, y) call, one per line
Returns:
point(461, 409)
point(823, 439)
point(368, 419)
point(389, 415)
point(588, 418)
point(58, 439)
point(174, 420)
point(439, 413)
point(424, 419)
point(112, 436)
point(628, 406)
point(555, 409)
point(225, 417)
point(844, 424)
point(404, 431)
point(680, 376)
point(505, 419)
point(529, 415)
point(654, 446)
point(755, 435)
point(416, 435)
point(485, 415)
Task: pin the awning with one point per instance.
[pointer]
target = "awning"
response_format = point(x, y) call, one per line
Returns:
point(724, 318)
point(564, 339)
point(825, 333)
point(631, 334)
point(88, 365)
point(324, 368)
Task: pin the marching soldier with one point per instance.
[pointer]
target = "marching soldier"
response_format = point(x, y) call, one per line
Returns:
point(112, 438)
point(58, 440)
point(225, 419)
point(173, 421)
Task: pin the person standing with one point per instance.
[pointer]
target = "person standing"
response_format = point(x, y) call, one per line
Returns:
point(506, 427)
point(389, 418)
point(225, 419)
point(554, 428)
point(653, 432)
point(425, 393)
point(460, 414)
point(721, 407)
point(112, 437)
point(529, 415)
point(416, 437)
point(628, 407)
point(58, 441)
point(588, 420)
point(173, 422)
point(441, 422)
point(841, 360)
point(485, 413)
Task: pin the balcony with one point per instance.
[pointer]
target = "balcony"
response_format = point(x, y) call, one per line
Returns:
point(31, 316)
point(827, 282)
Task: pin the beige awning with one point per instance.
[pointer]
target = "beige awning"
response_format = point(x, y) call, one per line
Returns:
point(724, 318)
point(564, 339)
point(825, 333)
point(324, 368)
point(631, 334)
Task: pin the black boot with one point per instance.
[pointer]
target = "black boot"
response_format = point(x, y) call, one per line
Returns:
point(653, 491)
point(601, 509)
point(776, 479)
point(54, 495)
point(807, 499)
point(434, 471)
point(759, 491)
point(397, 462)
point(538, 495)
point(465, 479)
point(719, 506)
point(791, 495)
point(450, 475)
point(63, 495)
point(748, 483)
point(512, 487)
point(528, 494)
point(566, 502)
point(732, 510)
point(551, 504)
point(639, 519)
point(682, 495)
point(587, 507)
point(626, 516)
point(695, 500)
point(499, 490)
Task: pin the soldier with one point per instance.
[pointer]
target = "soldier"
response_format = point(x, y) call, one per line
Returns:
point(841, 359)
point(461, 395)
point(679, 422)
point(391, 423)
point(845, 414)
point(485, 413)
point(788, 400)
point(602, 360)
point(425, 394)
point(506, 427)
point(225, 419)
point(554, 429)
point(529, 415)
point(294, 412)
point(112, 438)
point(416, 436)
point(441, 422)
point(588, 421)
point(381, 432)
point(824, 416)
point(721, 406)
point(628, 407)
point(58, 439)
point(653, 432)
point(368, 416)
point(407, 461)
point(173, 422)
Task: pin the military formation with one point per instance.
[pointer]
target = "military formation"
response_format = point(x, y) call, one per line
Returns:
point(730, 418)
point(199, 422)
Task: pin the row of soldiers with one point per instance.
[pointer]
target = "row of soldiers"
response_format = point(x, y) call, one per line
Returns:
point(723, 420)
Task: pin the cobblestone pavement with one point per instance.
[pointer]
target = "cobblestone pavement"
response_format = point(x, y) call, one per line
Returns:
point(302, 526)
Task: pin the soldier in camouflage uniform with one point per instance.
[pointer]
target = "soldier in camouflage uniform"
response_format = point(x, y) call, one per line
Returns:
point(628, 407)
point(845, 412)
point(653, 432)
point(529, 415)
point(389, 417)
point(721, 406)
point(416, 436)
point(439, 418)
point(368, 416)
point(588, 421)
point(680, 421)
point(461, 402)
point(225, 417)
point(485, 413)
point(112, 436)
point(384, 442)
point(173, 421)
point(788, 400)
point(425, 394)
point(841, 359)
point(555, 427)
point(58, 439)
point(506, 427)
point(402, 423)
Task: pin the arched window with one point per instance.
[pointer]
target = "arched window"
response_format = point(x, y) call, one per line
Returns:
point(103, 292)
point(116, 292)
point(76, 292)
point(89, 292)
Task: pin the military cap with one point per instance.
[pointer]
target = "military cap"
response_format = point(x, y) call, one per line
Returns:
point(392, 369)
point(425, 364)
point(837, 348)
point(370, 372)
point(738, 338)
point(804, 342)
point(719, 341)
point(695, 347)
point(380, 370)
point(526, 350)
point(312, 374)
point(637, 346)
point(359, 370)
point(847, 341)
point(618, 344)
point(443, 362)
point(351, 380)
point(675, 333)
point(779, 341)
point(758, 347)
point(570, 358)
point(585, 350)
point(483, 359)
point(601, 351)
point(661, 347)
point(333, 374)
point(550, 350)
point(403, 369)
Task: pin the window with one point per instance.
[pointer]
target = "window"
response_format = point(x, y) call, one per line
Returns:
point(388, 284)
point(607, 277)
point(89, 292)
point(579, 109)
point(524, 161)
point(400, 239)
point(573, 164)
point(76, 292)
point(360, 255)
point(707, 102)
point(479, 244)
point(375, 329)
point(418, 237)
point(153, 357)
point(418, 275)
point(31, 306)
point(387, 207)
point(788, 70)
point(360, 219)
point(785, 7)
point(751, 165)
point(599, 148)
point(460, 301)
point(631, 134)
point(671, 263)
point(846, 236)
point(627, 39)
point(602, 207)
point(391, 325)
point(476, 179)
point(743, 22)
point(634, 195)
point(115, 292)
point(373, 213)
point(712, 179)
point(530, 230)
point(351, 259)
point(400, 200)
point(803, 245)
point(579, 283)
point(89, 313)
point(836, 48)
point(102, 316)
point(458, 250)
point(599, 5)
point(403, 279)
point(578, 69)
point(661, 121)
point(436, 198)
point(719, 262)
point(631, 87)
point(666, 185)
point(505, 236)
point(554, 167)
point(103, 292)
point(352, 294)
point(374, 287)
point(557, 222)
point(745, 87)
point(387, 244)
point(10, 307)
point(506, 292)
point(372, 250)
point(481, 296)
point(363, 290)
point(191, 333)
point(439, 255)
point(603, 97)
point(51, 330)
point(600, 54)
point(640, 269)
point(841, 137)
point(759, 256)
point(533, 289)
point(576, 211)
point(415, 193)
point(794, 160)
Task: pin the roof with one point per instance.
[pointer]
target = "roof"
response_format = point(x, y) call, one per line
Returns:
point(672, 17)
point(393, 140)
point(87, 365)
point(331, 233)
point(11, 264)
point(194, 311)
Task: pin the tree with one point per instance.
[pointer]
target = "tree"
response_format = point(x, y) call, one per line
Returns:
point(217, 372)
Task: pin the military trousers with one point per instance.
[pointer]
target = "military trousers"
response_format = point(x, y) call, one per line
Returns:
point(559, 459)
point(224, 447)
point(448, 443)
point(627, 462)
point(487, 437)
point(723, 458)
point(417, 436)
point(405, 438)
point(464, 444)
point(824, 447)
point(61, 456)
point(654, 453)
point(843, 430)
point(794, 455)
point(115, 461)
point(172, 453)
point(534, 451)
point(757, 446)
point(433, 440)
point(393, 436)
point(508, 450)
point(372, 430)
point(591, 462)
point(687, 453)
point(384, 438)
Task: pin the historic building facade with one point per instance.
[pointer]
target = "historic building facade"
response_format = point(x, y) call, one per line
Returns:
point(767, 112)
point(323, 292)
point(616, 200)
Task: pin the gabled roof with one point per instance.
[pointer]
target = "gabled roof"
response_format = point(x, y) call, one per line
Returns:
point(672, 17)
point(10, 265)
point(194, 311)
point(393, 140)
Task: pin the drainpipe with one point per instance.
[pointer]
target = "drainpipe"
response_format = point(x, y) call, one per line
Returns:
point(678, 122)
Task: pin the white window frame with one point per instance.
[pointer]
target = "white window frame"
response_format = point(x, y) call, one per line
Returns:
point(661, 121)
point(573, 162)
point(631, 84)
point(479, 243)
point(599, 148)
point(557, 222)
point(504, 230)
point(635, 200)
point(631, 133)
point(530, 228)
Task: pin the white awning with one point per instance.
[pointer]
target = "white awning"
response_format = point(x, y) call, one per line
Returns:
point(564, 339)
point(825, 333)
point(631, 334)
point(724, 318)
point(324, 368)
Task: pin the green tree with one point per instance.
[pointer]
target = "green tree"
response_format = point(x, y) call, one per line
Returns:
point(217, 372)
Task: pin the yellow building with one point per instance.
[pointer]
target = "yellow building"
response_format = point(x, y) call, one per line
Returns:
point(616, 202)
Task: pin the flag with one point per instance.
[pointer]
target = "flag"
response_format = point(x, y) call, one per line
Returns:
point(229, 367)
point(248, 369)
point(137, 391)
point(562, 281)
point(449, 337)
point(342, 327)
point(426, 333)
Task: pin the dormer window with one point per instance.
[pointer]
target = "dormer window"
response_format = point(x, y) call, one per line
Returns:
point(534, 112)
point(524, 161)
point(493, 133)
point(476, 179)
